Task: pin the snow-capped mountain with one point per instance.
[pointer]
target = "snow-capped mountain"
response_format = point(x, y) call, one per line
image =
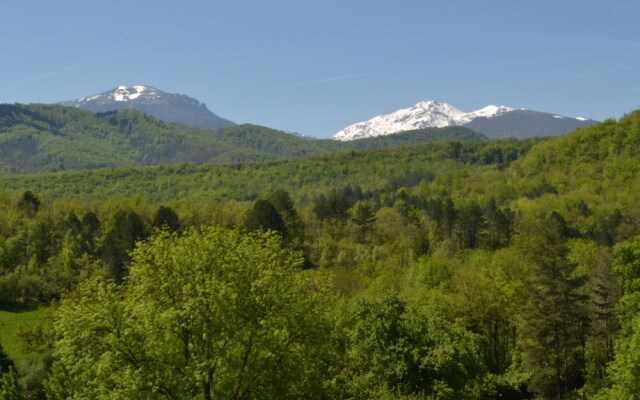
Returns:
point(491, 121)
point(426, 114)
point(169, 107)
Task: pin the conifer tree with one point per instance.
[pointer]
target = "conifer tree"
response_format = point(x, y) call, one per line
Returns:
point(263, 216)
point(555, 324)
point(363, 216)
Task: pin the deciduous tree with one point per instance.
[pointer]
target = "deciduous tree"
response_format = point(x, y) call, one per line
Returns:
point(209, 314)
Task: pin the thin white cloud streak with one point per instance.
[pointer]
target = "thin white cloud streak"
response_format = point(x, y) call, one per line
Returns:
point(325, 80)
point(63, 70)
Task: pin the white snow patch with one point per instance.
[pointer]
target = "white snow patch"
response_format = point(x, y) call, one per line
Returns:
point(126, 93)
point(97, 96)
point(491, 111)
point(582, 119)
point(558, 116)
point(426, 114)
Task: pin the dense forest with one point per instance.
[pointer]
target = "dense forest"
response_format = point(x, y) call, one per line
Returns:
point(39, 138)
point(461, 269)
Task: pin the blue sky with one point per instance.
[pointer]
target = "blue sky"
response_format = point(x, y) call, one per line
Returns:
point(315, 67)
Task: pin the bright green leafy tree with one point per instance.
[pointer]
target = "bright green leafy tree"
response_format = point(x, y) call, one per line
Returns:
point(396, 349)
point(209, 314)
point(625, 369)
point(9, 387)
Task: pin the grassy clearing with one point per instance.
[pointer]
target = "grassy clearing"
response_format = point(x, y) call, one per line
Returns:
point(9, 322)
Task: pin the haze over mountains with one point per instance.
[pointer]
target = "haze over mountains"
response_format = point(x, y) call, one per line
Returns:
point(492, 121)
point(169, 107)
point(140, 125)
point(47, 138)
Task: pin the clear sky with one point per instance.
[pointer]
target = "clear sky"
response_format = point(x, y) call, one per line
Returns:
point(316, 66)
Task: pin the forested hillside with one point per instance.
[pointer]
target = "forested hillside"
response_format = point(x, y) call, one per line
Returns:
point(450, 270)
point(43, 138)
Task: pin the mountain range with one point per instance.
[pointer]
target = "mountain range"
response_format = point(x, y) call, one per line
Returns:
point(140, 125)
point(47, 138)
point(169, 107)
point(492, 121)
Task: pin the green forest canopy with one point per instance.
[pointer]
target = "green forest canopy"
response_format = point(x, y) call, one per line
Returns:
point(43, 138)
point(474, 269)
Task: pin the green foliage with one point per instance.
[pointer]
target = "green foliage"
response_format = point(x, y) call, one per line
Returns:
point(302, 179)
point(336, 204)
point(283, 203)
point(165, 217)
point(29, 203)
point(11, 322)
point(9, 387)
point(42, 138)
point(127, 229)
point(464, 269)
point(625, 369)
point(555, 317)
point(208, 314)
point(363, 216)
point(5, 361)
point(419, 136)
point(263, 216)
point(405, 352)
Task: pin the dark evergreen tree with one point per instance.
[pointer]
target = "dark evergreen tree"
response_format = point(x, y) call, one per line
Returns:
point(263, 216)
point(497, 228)
point(604, 293)
point(72, 224)
point(5, 361)
point(281, 200)
point(128, 228)
point(283, 203)
point(363, 215)
point(334, 206)
point(448, 216)
point(90, 231)
point(555, 322)
point(29, 203)
point(165, 217)
point(454, 150)
point(608, 233)
point(470, 223)
point(491, 155)
point(43, 241)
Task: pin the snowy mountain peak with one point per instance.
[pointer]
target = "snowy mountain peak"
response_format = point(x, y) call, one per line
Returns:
point(425, 114)
point(126, 93)
point(169, 107)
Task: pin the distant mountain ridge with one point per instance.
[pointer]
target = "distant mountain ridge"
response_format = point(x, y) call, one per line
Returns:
point(169, 107)
point(527, 123)
point(37, 138)
point(491, 121)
